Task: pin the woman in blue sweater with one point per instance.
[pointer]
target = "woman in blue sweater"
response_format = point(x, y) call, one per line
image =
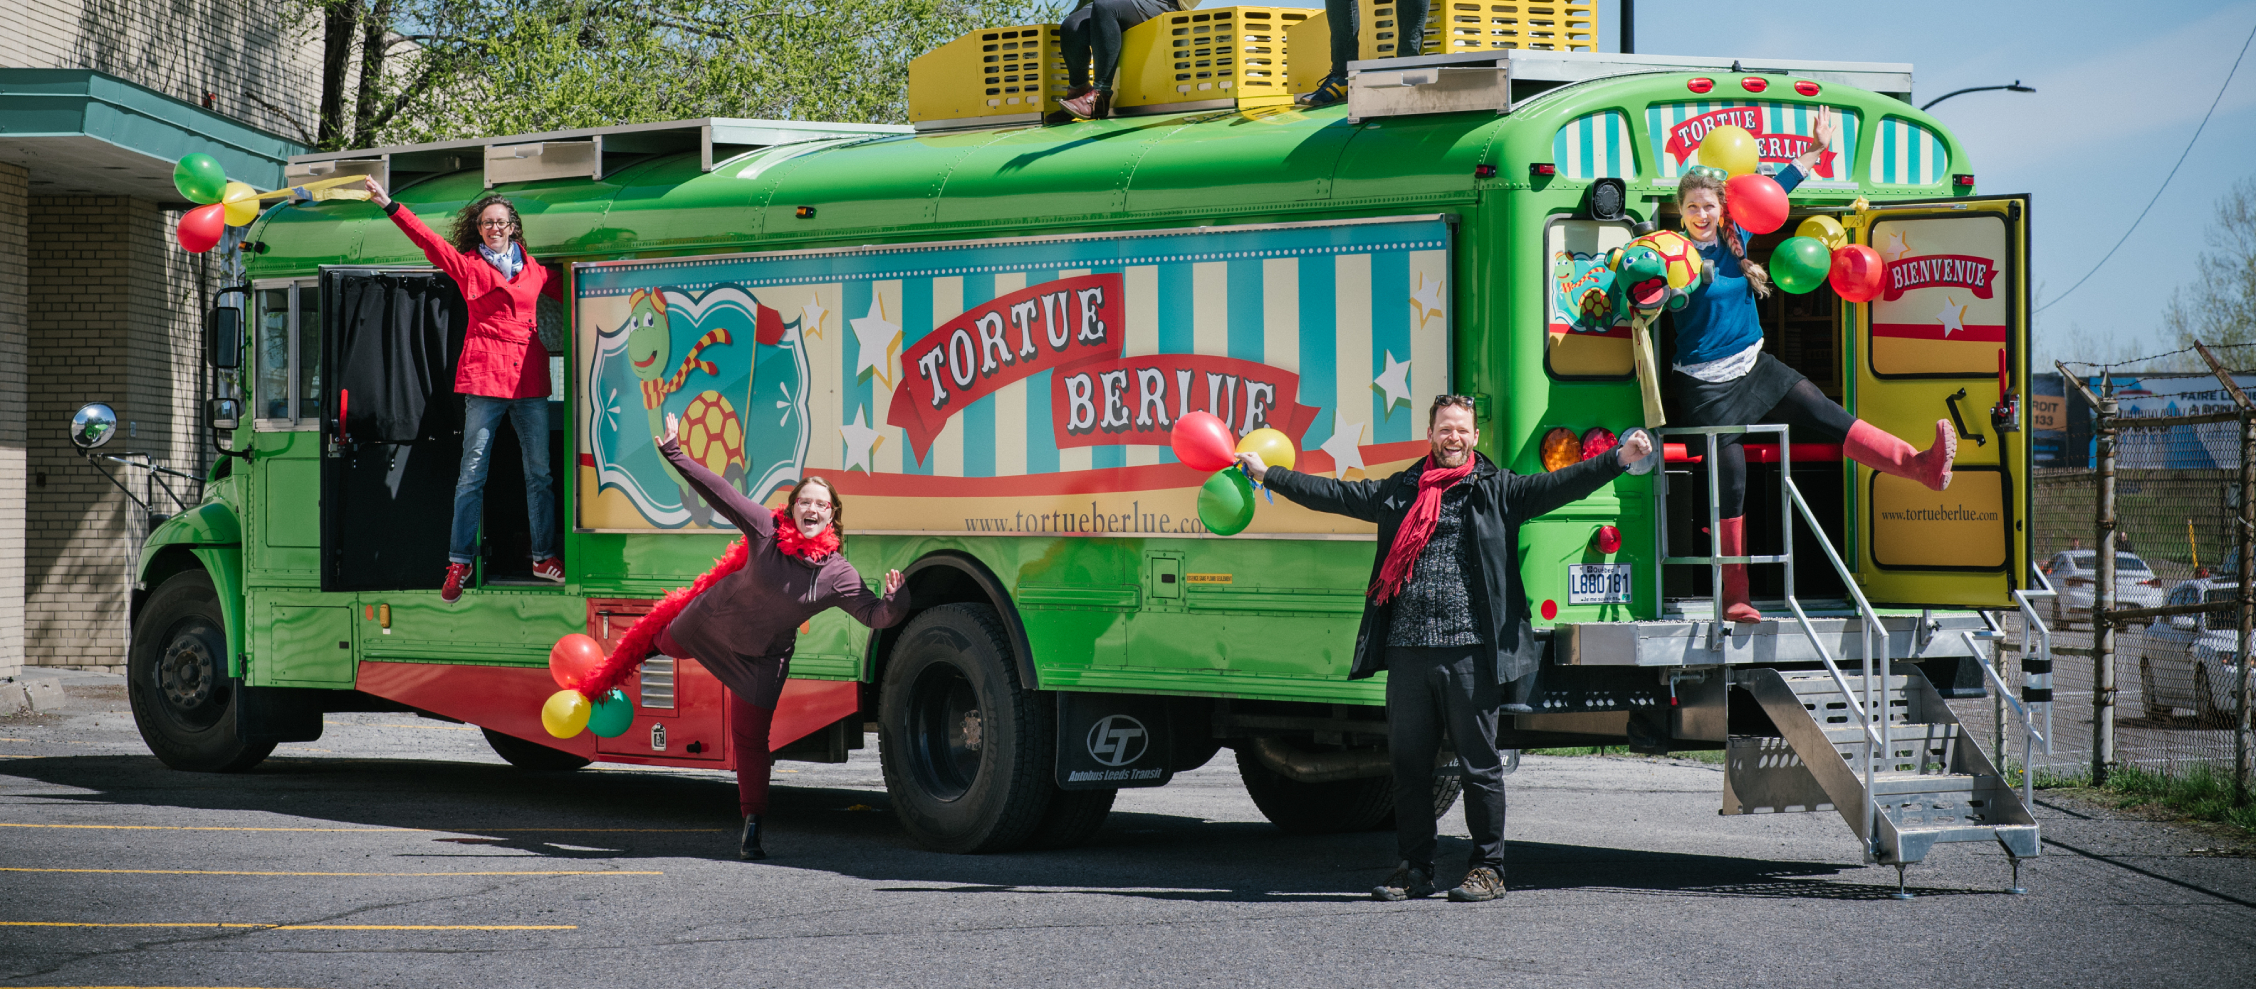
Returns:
point(1722, 377)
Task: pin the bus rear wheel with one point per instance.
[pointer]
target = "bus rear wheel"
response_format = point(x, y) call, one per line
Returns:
point(532, 756)
point(183, 701)
point(965, 746)
point(1316, 808)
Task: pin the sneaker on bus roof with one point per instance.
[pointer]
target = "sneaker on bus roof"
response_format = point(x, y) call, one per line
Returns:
point(457, 574)
point(549, 569)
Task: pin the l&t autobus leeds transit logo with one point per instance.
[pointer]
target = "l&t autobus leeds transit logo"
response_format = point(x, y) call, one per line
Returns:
point(1117, 740)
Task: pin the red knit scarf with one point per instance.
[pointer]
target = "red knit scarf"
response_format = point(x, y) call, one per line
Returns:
point(641, 638)
point(1417, 527)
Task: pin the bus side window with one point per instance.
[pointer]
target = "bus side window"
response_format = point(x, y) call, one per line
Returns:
point(272, 387)
point(309, 351)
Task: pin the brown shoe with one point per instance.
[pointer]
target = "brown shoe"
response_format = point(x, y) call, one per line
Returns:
point(1083, 106)
point(1407, 883)
point(1483, 883)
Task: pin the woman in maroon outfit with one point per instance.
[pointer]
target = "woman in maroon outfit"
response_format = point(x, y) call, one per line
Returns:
point(741, 621)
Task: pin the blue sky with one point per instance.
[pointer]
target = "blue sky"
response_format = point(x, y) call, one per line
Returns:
point(2120, 88)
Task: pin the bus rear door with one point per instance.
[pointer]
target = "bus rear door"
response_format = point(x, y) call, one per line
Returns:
point(1945, 339)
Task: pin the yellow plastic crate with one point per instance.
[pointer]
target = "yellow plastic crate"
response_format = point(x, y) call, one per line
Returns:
point(995, 76)
point(1206, 59)
point(1312, 38)
point(1459, 26)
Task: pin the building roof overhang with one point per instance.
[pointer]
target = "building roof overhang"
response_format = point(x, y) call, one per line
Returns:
point(86, 132)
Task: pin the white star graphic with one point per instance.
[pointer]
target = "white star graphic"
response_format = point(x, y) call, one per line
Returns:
point(811, 316)
point(1893, 246)
point(861, 441)
point(880, 339)
point(1953, 317)
point(1345, 449)
point(1395, 381)
point(1425, 300)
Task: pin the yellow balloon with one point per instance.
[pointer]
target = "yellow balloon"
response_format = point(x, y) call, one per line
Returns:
point(242, 204)
point(1731, 149)
point(565, 714)
point(1275, 448)
point(1825, 230)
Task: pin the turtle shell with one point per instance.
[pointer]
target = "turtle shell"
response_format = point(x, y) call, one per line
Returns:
point(711, 434)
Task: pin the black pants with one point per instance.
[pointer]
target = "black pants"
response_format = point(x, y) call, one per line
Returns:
point(1804, 408)
point(1429, 692)
point(1409, 31)
point(1095, 28)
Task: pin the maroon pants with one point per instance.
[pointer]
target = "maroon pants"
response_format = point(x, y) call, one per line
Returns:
point(748, 736)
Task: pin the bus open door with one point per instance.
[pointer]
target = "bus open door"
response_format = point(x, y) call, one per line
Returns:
point(1947, 338)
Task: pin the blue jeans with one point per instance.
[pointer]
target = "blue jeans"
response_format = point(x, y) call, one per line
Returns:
point(480, 417)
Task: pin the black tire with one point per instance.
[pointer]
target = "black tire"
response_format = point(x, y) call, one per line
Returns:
point(1446, 790)
point(1073, 817)
point(1316, 808)
point(967, 749)
point(533, 757)
point(2147, 696)
point(183, 701)
point(2208, 714)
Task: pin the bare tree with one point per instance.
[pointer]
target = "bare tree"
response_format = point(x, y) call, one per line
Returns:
point(2219, 306)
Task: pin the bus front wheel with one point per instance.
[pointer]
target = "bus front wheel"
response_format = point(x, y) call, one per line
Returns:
point(966, 747)
point(183, 701)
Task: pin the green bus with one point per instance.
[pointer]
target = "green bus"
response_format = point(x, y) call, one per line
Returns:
point(982, 335)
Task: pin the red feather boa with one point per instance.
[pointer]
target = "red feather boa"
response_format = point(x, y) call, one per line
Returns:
point(641, 638)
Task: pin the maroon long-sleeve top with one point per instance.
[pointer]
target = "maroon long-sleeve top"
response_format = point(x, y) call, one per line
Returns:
point(746, 625)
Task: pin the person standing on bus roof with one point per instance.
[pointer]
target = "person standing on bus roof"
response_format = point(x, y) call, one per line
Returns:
point(1409, 39)
point(1722, 377)
point(503, 373)
point(1092, 31)
point(741, 619)
point(1446, 618)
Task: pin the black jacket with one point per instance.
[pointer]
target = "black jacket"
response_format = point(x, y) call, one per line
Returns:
point(1499, 502)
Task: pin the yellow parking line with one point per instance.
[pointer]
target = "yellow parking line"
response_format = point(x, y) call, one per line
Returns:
point(216, 872)
point(300, 927)
point(183, 827)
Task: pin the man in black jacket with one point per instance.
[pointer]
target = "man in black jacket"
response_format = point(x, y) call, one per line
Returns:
point(1447, 620)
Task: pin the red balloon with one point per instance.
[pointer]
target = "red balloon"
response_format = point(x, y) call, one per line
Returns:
point(1756, 202)
point(1203, 442)
point(200, 227)
point(1857, 272)
point(573, 657)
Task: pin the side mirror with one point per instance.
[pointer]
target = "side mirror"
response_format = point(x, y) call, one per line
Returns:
point(93, 426)
point(223, 338)
point(226, 413)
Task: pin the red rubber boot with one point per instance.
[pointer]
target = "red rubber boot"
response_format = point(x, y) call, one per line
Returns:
point(1731, 540)
point(1875, 448)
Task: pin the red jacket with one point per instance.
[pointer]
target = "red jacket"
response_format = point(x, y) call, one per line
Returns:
point(502, 356)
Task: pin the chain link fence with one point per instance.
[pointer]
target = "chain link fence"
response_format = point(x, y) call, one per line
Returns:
point(2176, 704)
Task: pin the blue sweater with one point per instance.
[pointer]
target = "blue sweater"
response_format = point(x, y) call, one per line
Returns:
point(1720, 320)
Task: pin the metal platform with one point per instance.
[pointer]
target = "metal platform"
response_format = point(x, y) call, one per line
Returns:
point(1685, 641)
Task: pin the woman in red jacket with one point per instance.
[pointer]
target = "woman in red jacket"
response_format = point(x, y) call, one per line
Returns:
point(503, 372)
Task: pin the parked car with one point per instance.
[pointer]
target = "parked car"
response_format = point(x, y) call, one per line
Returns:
point(2187, 661)
point(2074, 574)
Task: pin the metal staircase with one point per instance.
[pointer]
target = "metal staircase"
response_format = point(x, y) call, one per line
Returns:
point(1879, 746)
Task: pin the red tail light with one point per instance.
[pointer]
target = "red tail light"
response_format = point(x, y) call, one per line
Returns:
point(2078, 582)
point(1700, 84)
point(1543, 168)
point(1607, 539)
point(2156, 582)
point(1805, 87)
point(1597, 440)
point(1754, 84)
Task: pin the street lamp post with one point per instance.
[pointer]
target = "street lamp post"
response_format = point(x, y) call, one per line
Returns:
point(2015, 87)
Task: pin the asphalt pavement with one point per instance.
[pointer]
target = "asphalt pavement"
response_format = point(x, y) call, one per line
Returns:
point(397, 851)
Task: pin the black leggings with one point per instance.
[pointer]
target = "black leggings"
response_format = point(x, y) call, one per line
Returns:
point(1805, 409)
point(1096, 28)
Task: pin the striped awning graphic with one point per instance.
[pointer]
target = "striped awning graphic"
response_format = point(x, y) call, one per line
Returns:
point(1904, 153)
point(1596, 146)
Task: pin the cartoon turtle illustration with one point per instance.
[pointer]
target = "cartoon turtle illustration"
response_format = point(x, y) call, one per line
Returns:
point(712, 435)
point(649, 345)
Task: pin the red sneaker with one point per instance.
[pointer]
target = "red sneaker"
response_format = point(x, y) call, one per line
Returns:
point(457, 575)
point(550, 569)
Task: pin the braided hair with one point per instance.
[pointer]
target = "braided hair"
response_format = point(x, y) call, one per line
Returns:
point(1726, 231)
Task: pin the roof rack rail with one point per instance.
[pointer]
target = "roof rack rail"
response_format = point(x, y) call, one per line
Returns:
point(582, 153)
point(1501, 80)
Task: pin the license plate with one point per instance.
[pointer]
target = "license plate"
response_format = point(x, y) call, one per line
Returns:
point(1599, 583)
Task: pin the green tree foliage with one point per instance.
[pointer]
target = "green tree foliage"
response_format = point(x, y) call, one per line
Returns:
point(2219, 305)
point(461, 68)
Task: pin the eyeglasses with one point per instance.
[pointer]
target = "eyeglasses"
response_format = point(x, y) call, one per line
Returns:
point(493, 224)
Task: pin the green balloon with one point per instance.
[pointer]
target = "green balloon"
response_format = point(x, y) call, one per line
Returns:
point(1800, 264)
point(1225, 502)
point(200, 178)
point(612, 716)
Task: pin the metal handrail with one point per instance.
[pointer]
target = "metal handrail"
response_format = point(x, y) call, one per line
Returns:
point(1872, 709)
point(2030, 736)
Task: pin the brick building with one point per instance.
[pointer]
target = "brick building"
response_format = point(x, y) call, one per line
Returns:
point(98, 98)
